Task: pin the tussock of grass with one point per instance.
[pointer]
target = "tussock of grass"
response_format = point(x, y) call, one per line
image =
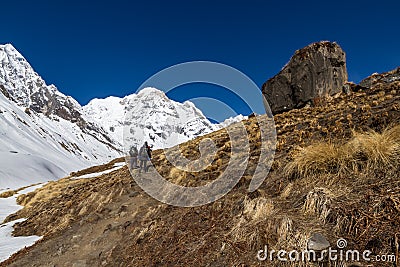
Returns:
point(177, 175)
point(376, 149)
point(364, 152)
point(322, 157)
point(318, 203)
point(256, 219)
point(258, 209)
point(8, 194)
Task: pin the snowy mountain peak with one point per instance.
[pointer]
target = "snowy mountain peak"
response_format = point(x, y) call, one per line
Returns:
point(151, 92)
point(18, 79)
point(22, 85)
point(232, 120)
point(151, 116)
point(10, 50)
point(42, 130)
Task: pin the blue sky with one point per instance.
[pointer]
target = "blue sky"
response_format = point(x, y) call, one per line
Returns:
point(111, 47)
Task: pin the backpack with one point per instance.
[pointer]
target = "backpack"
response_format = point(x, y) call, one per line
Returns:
point(133, 152)
point(148, 150)
point(143, 152)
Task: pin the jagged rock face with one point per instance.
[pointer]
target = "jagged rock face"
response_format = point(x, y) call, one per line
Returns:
point(313, 72)
point(153, 117)
point(387, 77)
point(22, 85)
point(49, 101)
point(43, 131)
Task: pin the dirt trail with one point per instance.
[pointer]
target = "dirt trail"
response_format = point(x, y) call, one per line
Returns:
point(89, 240)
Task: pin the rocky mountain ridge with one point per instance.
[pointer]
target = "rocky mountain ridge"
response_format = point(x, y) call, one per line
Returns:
point(150, 116)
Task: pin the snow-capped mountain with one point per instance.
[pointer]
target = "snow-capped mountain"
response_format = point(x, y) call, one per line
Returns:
point(44, 134)
point(232, 120)
point(21, 84)
point(149, 116)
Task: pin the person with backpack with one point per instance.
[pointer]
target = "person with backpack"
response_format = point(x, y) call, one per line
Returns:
point(143, 157)
point(148, 149)
point(133, 153)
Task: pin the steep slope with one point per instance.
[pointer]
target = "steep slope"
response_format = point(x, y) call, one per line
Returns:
point(35, 148)
point(151, 116)
point(108, 219)
point(43, 132)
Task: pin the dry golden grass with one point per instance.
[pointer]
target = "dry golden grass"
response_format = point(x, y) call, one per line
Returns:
point(47, 192)
point(177, 175)
point(375, 150)
point(258, 209)
point(318, 158)
point(365, 152)
point(8, 194)
point(318, 203)
point(393, 133)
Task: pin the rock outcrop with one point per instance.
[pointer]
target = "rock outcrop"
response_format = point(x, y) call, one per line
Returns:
point(387, 77)
point(313, 72)
point(22, 85)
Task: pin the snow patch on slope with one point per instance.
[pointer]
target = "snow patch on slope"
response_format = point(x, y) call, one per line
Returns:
point(11, 244)
point(116, 166)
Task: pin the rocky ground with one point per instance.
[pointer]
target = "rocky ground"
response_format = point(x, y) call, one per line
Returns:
point(109, 221)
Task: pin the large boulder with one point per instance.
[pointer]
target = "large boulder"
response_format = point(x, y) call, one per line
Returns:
point(313, 72)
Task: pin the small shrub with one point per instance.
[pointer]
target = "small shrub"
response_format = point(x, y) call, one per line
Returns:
point(322, 157)
point(364, 152)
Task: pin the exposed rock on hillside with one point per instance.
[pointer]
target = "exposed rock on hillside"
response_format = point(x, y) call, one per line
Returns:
point(313, 72)
point(387, 77)
point(46, 131)
point(151, 116)
point(21, 84)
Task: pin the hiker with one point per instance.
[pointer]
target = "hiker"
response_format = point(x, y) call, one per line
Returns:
point(148, 149)
point(143, 157)
point(133, 153)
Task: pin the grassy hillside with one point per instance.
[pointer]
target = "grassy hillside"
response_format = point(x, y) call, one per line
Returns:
point(336, 172)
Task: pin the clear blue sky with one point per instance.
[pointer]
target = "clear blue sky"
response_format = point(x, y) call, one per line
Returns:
point(110, 47)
